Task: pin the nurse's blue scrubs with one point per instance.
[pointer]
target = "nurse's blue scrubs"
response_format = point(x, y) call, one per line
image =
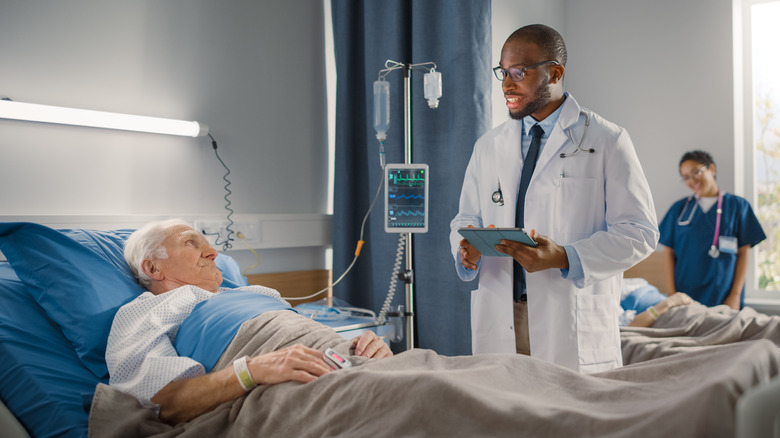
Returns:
point(705, 279)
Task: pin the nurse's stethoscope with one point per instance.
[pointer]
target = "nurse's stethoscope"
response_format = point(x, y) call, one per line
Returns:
point(498, 196)
point(714, 252)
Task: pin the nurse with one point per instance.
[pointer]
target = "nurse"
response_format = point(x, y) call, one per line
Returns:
point(707, 237)
point(575, 178)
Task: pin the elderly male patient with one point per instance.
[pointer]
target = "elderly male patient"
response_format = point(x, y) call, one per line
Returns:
point(176, 265)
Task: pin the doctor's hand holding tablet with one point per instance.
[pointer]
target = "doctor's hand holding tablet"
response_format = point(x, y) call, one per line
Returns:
point(533, 251)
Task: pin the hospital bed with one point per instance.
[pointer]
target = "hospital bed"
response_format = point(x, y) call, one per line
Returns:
point(758, 410)
point(43, 379)
point(59, 297)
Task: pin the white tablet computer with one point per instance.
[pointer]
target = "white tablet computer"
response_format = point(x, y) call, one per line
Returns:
point(486, 239)
point(406, 198)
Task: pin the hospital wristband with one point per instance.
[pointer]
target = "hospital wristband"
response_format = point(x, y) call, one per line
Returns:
point(242, 373)
point(653, 312)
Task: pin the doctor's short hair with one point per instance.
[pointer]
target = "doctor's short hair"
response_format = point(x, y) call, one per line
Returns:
point(698, 156)
point(549, 41)
point(146, 243)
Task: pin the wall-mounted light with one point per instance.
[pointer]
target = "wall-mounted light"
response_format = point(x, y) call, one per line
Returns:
point(98, 119)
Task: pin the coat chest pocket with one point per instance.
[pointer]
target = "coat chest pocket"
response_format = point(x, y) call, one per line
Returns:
point(579, 207)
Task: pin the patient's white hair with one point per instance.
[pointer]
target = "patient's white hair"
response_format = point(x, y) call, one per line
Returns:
point(146, 243)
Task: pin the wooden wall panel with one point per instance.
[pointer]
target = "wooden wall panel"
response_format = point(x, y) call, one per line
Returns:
point(296, 283)
point(651, 269)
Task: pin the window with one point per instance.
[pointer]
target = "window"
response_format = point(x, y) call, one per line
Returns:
point(761, 106)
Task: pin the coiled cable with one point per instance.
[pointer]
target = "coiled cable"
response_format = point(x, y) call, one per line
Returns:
point(227, 243)
point(399, 256)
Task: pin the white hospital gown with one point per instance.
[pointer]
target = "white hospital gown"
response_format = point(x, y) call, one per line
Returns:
point(140, 354)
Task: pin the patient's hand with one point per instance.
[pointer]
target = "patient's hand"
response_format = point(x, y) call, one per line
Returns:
point(370, 345)
point(679, 299)
point(185, 399)
point(294, 363)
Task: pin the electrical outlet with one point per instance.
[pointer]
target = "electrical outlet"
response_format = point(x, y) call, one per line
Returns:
point(216, 232)
point(250, 230)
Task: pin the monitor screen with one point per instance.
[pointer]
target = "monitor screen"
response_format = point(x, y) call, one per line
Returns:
point(406, 198)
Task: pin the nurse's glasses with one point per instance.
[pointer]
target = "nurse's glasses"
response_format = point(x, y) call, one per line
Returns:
point(696, 174)
point(517, 74)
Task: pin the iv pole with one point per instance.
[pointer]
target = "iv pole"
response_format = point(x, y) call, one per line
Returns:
point(409, 272)
point(408, 275)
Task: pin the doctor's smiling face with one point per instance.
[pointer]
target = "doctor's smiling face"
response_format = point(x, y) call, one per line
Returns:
point(540, 92)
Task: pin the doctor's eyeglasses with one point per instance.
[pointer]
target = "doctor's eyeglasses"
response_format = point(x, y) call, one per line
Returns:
point(517, 74)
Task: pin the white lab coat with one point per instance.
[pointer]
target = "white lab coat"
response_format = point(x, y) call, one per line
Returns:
point(599, 203)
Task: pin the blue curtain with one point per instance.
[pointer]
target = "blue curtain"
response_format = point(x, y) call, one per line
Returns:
point(455, 34)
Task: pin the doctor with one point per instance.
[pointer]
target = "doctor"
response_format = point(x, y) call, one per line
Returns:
point(587, 199)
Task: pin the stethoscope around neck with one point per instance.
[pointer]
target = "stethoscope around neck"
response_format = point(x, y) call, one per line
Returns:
point(714, 252)
point(498, 196)
point(578, 145)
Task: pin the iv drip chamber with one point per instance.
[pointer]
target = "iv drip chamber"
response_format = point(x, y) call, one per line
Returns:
point(381, 108)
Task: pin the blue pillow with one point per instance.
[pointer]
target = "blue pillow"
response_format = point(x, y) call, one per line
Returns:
point(42, 381)
point(231, 272)
point(641, 298)
point(80, 278)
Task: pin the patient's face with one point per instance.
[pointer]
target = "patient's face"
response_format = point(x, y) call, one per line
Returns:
point(190, 260)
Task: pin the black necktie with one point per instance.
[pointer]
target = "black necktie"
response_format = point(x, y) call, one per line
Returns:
point(529, 164)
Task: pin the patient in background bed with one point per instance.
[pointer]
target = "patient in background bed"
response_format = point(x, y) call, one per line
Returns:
point(643, 303)
point(176, 265)
point(654, 325)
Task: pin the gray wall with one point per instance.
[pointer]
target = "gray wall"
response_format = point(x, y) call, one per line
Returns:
point(253, 71)
point(663, 70)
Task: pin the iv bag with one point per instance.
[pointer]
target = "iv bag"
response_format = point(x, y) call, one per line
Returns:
point(432, 82)
point(381, 108)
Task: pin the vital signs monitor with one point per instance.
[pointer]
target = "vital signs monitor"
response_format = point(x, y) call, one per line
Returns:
point(406, 198)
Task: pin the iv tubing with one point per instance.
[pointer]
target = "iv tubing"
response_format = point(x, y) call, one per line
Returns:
point(357, 251)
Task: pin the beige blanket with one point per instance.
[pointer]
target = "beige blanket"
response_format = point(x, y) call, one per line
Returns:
point(694, 327)
point(420, 393)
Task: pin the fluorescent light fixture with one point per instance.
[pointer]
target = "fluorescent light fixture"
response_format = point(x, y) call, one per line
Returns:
point(98, 119)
